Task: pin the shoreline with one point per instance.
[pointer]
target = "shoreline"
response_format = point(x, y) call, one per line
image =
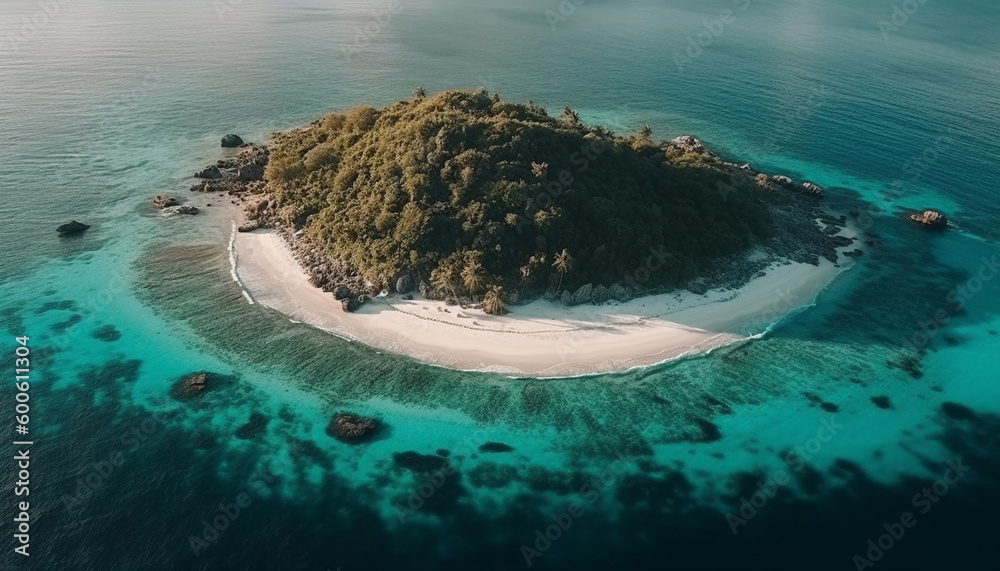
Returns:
point(539, 339)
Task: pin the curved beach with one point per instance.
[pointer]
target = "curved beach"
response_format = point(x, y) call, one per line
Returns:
point(541, 338)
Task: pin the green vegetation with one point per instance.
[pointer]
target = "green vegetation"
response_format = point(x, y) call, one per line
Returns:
point(477, 196)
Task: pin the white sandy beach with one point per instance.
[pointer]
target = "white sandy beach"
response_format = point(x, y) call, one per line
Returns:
point(539, 339)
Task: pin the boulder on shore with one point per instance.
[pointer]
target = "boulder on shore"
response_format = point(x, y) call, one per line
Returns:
point(231, 140)
point(810, 188)
point(164, 200)
point(211, 172)
point(352, 428)
point(583, 294)
point(404, 284)
point(72, 228)
point(931, 218)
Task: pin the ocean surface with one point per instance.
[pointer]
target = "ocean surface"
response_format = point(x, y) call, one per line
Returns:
point(802, 450)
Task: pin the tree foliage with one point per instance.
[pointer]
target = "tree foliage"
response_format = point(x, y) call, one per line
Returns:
point(429, 185)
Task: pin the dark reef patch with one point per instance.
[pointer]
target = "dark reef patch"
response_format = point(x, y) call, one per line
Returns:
point(498, 447)
point(957, 411)
point(709, 430)
point(882, 402)
point(107, 333)
point(255, 427)
point(491, 475)
point(829, 407)
point(64, 325)
point(62, 305)
point(417, 462)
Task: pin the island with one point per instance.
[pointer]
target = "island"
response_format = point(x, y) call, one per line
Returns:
point(474, 233)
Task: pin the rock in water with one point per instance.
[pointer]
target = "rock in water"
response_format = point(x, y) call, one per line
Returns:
point(191, 386)
point(164, 200)
point(72, 228)
point(352, 428)
point(231, 140)
point(182, 209)
point(931, 218)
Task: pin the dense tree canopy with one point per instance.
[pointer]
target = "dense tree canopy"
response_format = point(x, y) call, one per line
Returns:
point(466, 191)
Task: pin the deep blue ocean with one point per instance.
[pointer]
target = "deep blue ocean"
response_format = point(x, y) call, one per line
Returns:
point(864, 433)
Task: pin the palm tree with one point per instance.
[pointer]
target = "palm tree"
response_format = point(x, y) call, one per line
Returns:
point(445, 279)
point(474, 277)
point(645, 132)
point(493, 301)
point(563, 263)
point(539, 169)
point(419, 93)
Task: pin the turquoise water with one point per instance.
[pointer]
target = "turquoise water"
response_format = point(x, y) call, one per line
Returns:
point(104, 104)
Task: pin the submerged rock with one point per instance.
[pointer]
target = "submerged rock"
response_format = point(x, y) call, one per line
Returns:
point(496, 447)
point(254, 427)
point(181, 209)
point(810, 188)
point(232, 141)
point(931, 218)
point(164, 200)
point(72, 228)
point(191, 386)
point(352, 428)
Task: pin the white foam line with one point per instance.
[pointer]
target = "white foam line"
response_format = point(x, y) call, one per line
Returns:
point(232, 264)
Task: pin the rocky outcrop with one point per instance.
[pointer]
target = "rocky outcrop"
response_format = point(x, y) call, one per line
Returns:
point(72, 228)
point(211, 172)
point(162, 201)
point(405, 284)
point(342, 292)
point(191, 386)
point(812, 189)
point(566, 298)
point(600, 294)
point(232, 141)
point(689, 143)
point(247, 227)
point(618, 292)
point(352, 428)
point(783, 181)
point(181, 209)
point(931, 218)
point(352, 303)
point(582, 295)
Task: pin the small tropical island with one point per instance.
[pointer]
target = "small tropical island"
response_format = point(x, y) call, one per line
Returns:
point(475, 233)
